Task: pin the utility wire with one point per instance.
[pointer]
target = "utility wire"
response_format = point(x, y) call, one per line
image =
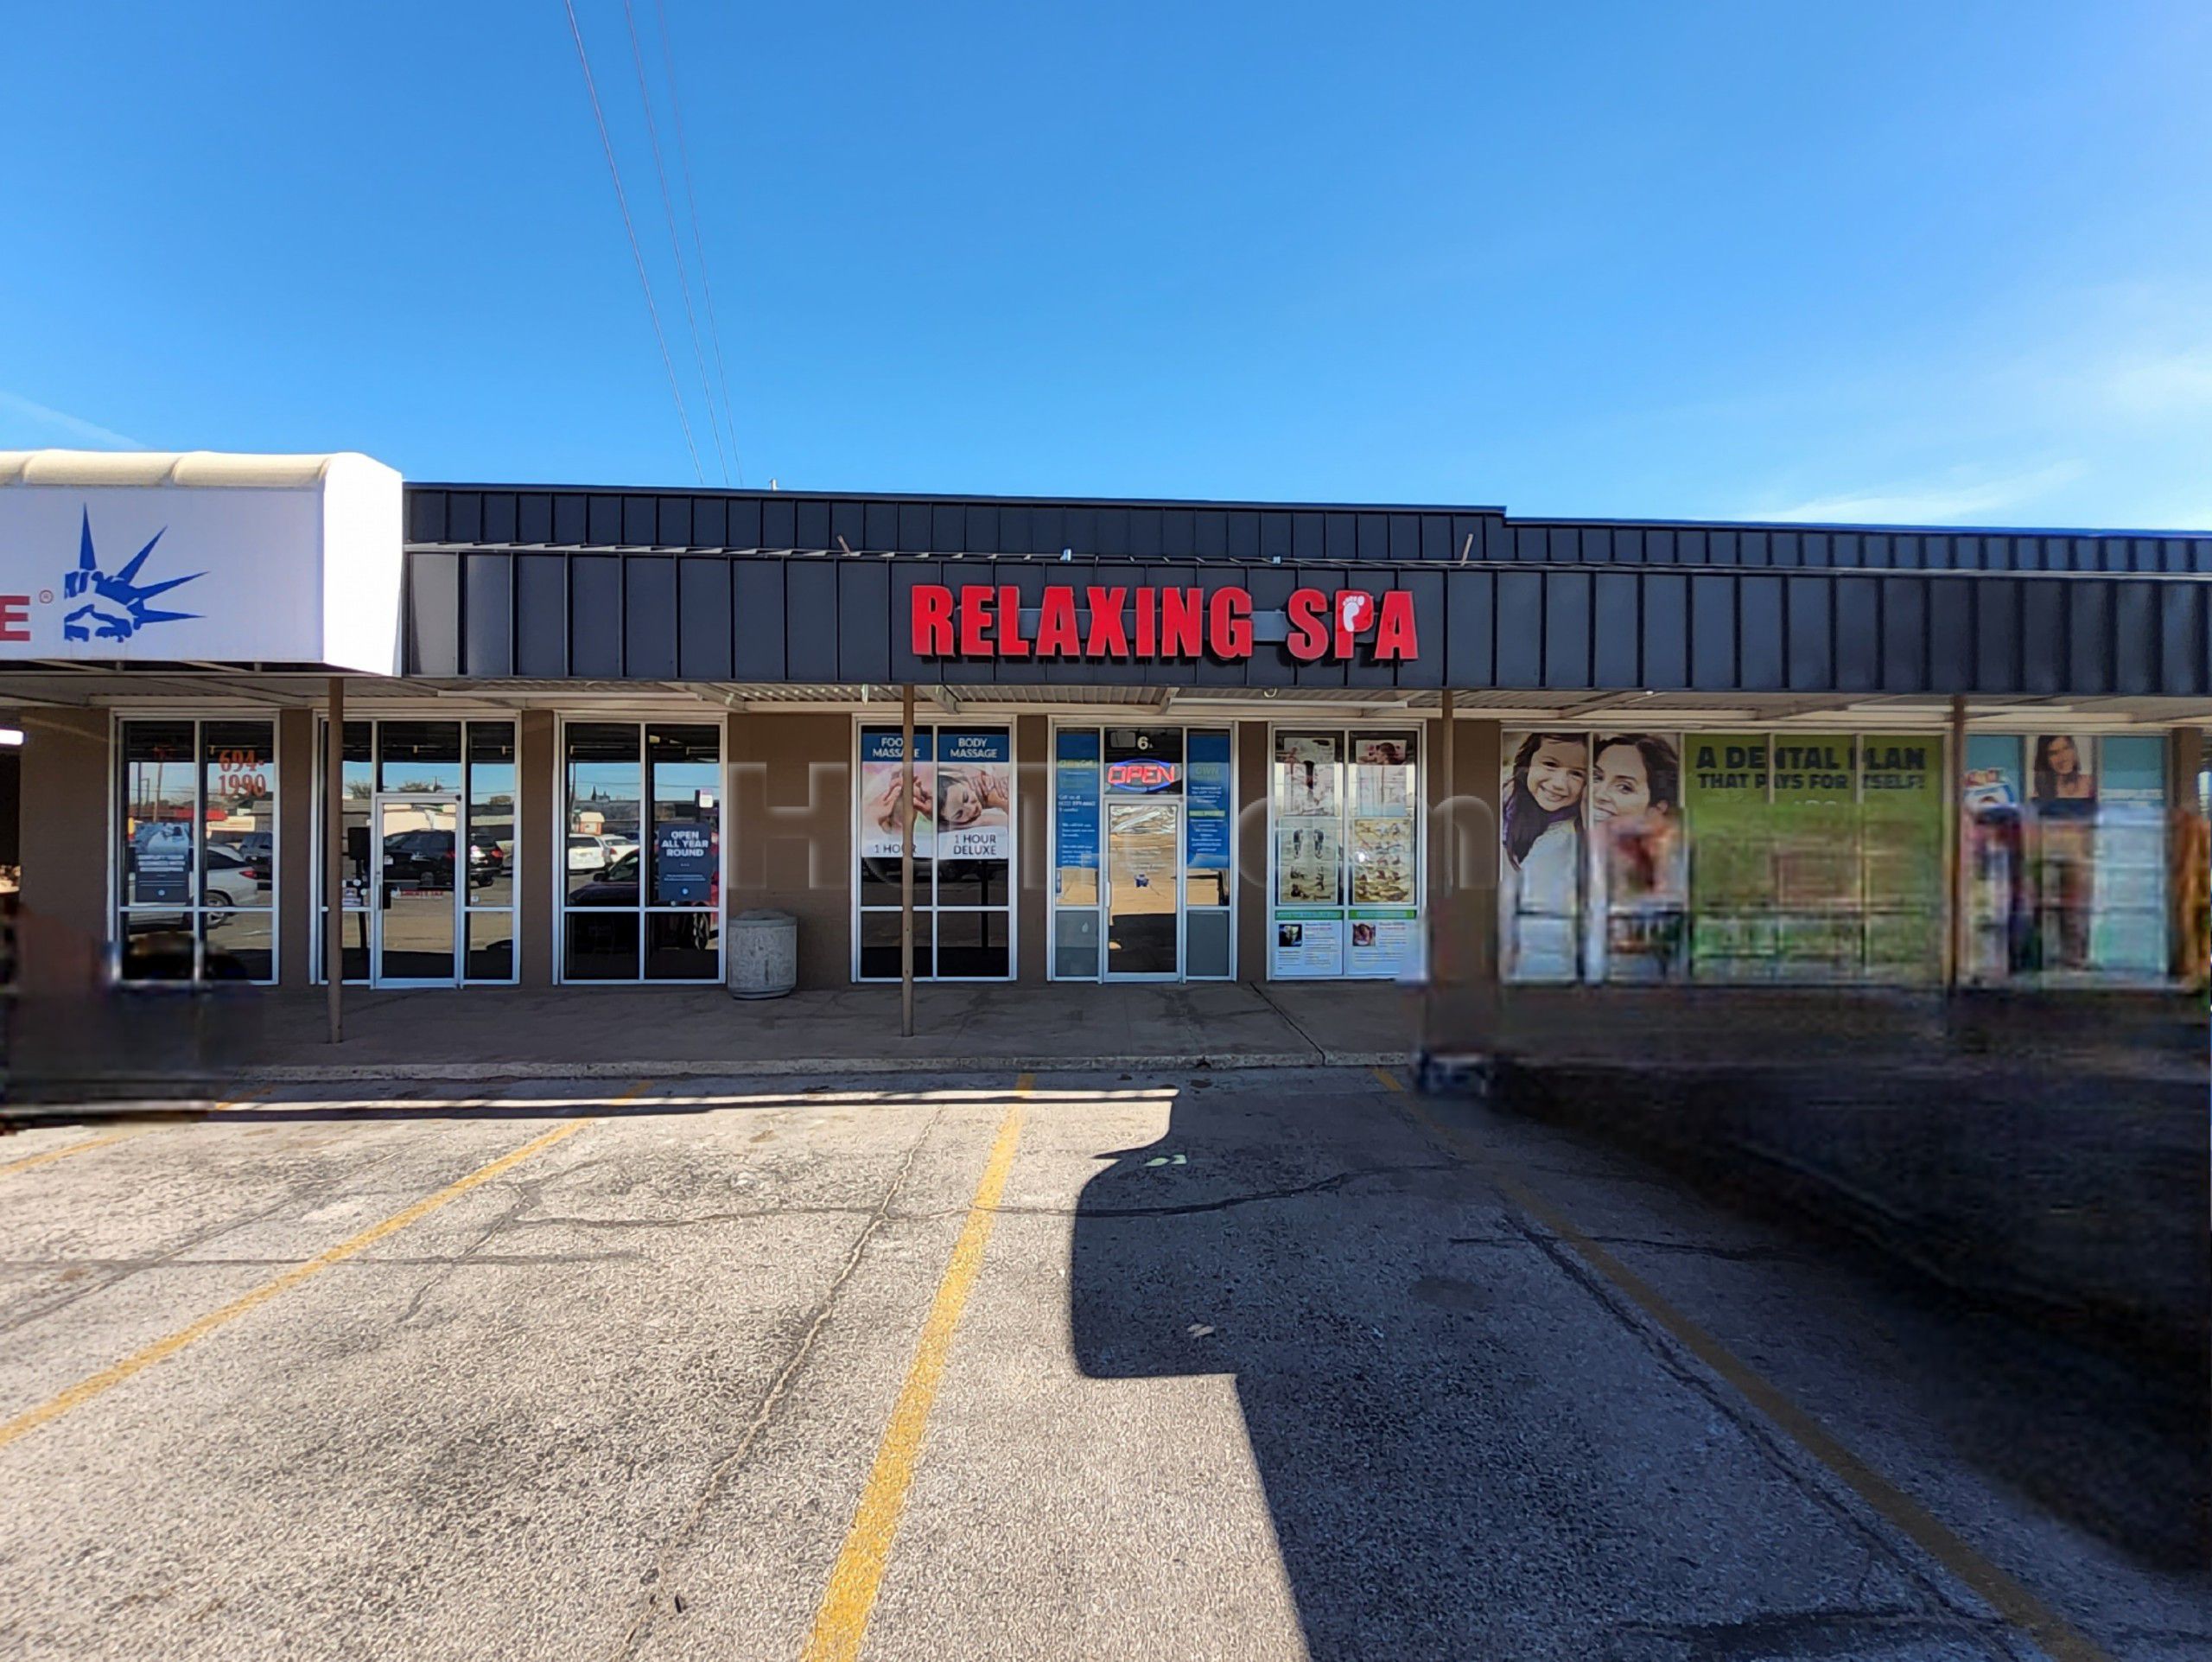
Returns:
point(622, 201)
point(674, 241)
point(698, 243)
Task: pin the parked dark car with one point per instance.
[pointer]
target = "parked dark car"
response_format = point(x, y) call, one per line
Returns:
point(486, 859)
point(418, 859)
point(616, 886)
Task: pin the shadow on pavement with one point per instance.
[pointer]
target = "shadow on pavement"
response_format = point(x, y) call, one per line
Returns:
point(1466, 1453)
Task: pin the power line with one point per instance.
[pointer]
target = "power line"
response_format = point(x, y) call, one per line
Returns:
point(630, 229)
point(675, 242)
point(698, 243)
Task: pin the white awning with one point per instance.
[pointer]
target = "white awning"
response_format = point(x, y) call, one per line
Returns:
point(200, 557)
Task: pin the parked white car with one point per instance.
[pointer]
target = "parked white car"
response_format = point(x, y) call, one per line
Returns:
point(590, 853)
point(227, 879)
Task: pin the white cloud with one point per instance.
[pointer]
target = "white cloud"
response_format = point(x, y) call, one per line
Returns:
point(49, 425)
point(2172, 384)
point(1929, 502)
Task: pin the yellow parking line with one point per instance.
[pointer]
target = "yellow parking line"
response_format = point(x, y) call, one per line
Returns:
point(107, 1378)
point(841, 1623)
point(29, 1160)
point(2052, 1632)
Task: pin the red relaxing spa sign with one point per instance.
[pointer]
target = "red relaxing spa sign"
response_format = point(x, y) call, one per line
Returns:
point(1112, 621)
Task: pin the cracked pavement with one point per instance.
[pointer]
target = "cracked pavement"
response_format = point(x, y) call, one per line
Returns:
point(1256, 1368)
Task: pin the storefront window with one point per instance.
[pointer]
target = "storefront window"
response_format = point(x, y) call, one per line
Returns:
point(641, 883)
point(1346, 833)
point(1142, 876)
point(427, 852)
point(1776, 857)
point(959, 793)
point(2066, 849)
point(197, 858)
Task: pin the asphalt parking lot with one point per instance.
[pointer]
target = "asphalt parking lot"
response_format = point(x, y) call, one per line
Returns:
point(1253, 1365)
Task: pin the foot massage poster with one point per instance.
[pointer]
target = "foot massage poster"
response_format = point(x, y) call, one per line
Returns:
point(886, 790)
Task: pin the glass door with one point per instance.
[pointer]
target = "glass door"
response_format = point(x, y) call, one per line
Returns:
point(421, 868)
point(1144, 841)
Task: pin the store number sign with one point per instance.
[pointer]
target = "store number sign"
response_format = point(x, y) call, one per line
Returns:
point(240, 774)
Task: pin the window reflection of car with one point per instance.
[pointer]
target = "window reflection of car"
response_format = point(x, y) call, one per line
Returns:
point(616, 886)
point(589, 853)
point(226, 880)
point(222, 880)
point(424, 859)
point(487, 856)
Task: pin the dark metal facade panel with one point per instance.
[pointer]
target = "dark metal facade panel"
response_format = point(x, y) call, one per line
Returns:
point(2088, 638)
point(779, 524)
point(465, 516)
point(433, 614)
point(1666, 632)
point(674, 527)
point(1950, 635)
point(1616, 615)
point(863, 621)
point(649, 617)
point(757, 615)
point(1470, 628)
point(1712, 633)
point(1857, 634)
point(811, 621)
point(1904, 634)
point(1605, 626)
point(1997, 635)
point(2043, 662)
point(1761, 642)
point(534, 517)
point(1520, 655)
point(1567, 628)
point(505, 516)
point(1810, 666)
point(2181, 638)
point(571, 520)
point(812, 529)
point(703, 618)
point(541, 592)
point(595, 615)
point(710, 522)
point(602, 519)
point(488, 617)
point(2133, 642)
point(426, 516)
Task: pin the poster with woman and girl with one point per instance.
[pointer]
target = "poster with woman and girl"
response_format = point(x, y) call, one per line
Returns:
point(1591, 824)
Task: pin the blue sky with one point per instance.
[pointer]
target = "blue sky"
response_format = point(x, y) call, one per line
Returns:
point(1871, 262)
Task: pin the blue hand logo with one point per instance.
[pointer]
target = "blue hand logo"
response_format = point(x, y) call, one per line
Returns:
point(118, 608)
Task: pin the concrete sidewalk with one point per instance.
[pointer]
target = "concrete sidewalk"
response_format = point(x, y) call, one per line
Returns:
point(170, 1045)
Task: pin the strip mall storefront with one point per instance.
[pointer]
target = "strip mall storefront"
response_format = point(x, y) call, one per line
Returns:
point(1154, 741)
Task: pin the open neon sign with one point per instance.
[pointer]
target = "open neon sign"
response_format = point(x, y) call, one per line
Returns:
point(1140, 775)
